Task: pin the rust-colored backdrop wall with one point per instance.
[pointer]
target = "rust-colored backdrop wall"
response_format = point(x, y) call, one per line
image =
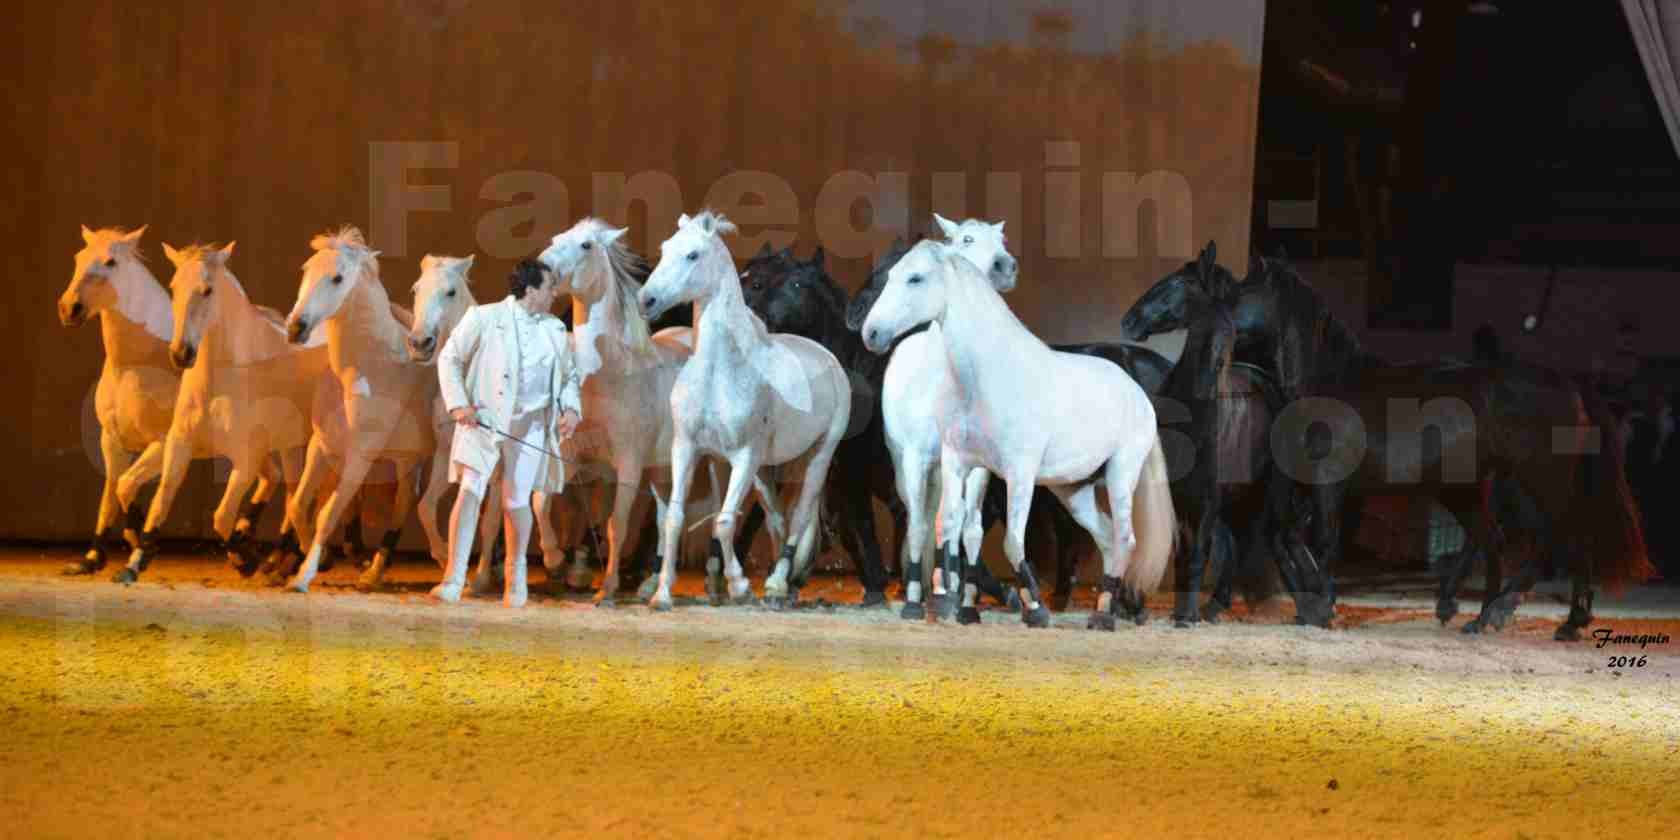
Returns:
point(261, 123)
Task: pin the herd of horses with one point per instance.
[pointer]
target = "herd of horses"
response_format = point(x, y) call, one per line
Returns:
point(1256, 447)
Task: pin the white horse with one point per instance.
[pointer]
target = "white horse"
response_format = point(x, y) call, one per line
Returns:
point(917, 395)
point(137, 386)
point(442, 296)
point(245, 393)
point(387, 398)
point(747, 397)
point(629, 375)
point(1025, 412)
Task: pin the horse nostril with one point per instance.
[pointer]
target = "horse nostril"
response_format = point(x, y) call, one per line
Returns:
point(75, 310)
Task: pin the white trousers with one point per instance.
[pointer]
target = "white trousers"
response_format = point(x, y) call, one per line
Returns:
point(521, 465)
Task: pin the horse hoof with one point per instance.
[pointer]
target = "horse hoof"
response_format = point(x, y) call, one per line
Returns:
point(580, 580)
point(1474, 628)
point(1445, 611)
point(1036, 618)
point(515, 600)
point(968, 615)
point(1211, 613)
point(776, 603)
point(298, 584)
point(648, 587)
point(661, 604)
point(745, 599)
point(483, 585)
point(605, 601)
point(1567, 633)
point(943, 606)
point(913, 611)
point(716, 589)
point(446, 593)
point(1100, 621)
point(87, 564)
point(1012, 600)
point(872, 598)
point(125, 576)
point(1058, 603)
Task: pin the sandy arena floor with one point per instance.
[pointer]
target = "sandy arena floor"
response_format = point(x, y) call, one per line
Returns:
point(197, 704)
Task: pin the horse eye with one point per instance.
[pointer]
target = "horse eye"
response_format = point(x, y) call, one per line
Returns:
point(111, 263)
point(337, 279)
point(588, 245)
point(914, 279)
point(968, 240)
point(693, 255)
point(451, 292)
point(208, 290)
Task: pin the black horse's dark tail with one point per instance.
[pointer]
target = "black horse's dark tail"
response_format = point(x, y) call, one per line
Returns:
point(1607, 521)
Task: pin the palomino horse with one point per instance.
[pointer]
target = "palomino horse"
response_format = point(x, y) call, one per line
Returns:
point(746, 396)
point(245, 393)
point(628, 377)
point(1538, 439)
point(137, 386)
point(1022, 411)
point(387, 398)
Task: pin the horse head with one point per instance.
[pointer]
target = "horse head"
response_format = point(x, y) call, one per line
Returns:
point(200, 276)
point(983, 243)
point(694, 264)
point(442, 296)
point(341, 261)
point(93, 289)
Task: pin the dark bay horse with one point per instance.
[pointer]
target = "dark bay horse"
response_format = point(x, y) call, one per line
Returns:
point(1540, 447)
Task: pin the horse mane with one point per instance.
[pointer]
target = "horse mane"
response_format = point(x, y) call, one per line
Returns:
point(203, 252)
point(346, 236)
point(112, 235)
point(627, 272)
point(1324, 340)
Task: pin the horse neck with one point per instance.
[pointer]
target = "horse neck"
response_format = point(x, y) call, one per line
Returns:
point(364, 328)
point(142, 302)
point(606, 316)
point(239, 334)
point(726, 327)
point(979, 329)
point(1205, 361)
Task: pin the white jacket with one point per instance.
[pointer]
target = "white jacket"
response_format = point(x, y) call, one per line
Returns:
point(479, 367)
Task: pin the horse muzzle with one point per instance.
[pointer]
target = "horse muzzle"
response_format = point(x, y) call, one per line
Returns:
point(183, 357)
point(876, 340)
point(421, 349)
point(73, 315)
point(297, 330)
point(650, 306)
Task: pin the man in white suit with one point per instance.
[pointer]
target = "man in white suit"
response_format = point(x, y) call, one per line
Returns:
point(510, 382)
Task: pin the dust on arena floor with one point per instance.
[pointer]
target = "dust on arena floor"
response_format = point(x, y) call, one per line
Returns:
point(199, 703)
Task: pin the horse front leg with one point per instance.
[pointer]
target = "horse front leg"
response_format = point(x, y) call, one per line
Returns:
point(625, 492)
point(437, 479)
point(684, 457)
point(177, 455)
point(117, 461)
point(913, 490)
point(350, 480)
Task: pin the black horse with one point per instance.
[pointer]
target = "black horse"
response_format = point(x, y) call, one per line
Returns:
point(1220, 411)
point(1532, 439)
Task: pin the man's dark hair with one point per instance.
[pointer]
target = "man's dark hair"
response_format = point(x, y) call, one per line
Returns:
point(528, 274)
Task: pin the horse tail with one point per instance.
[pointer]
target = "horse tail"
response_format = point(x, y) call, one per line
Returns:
point(1607, 514)
point(1154, 522)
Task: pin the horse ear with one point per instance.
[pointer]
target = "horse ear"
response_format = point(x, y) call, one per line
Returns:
point(999, 226)
point(1282, 254)
point(427, 262)
point(764, 251)
point(133, 236)
point(613, 234)
point(87, 235)
point(1205, 263)
point(683, 220)
point(948, 227)
point(465, 265)
point(170, 252)
point(817, 257)
point(226, 252)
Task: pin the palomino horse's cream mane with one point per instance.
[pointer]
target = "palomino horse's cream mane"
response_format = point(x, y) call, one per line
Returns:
point(140, 297)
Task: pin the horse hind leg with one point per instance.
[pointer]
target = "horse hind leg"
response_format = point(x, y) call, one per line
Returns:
point(1080, 501)
point(374, 575)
